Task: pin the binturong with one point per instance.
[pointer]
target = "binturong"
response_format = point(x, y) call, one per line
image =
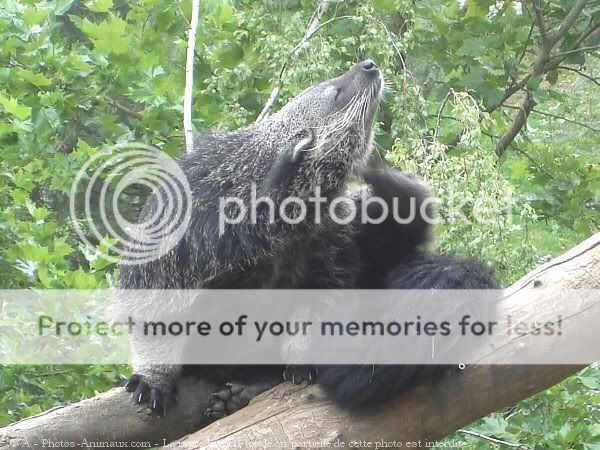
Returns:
point(316, 144)
point(313, 148)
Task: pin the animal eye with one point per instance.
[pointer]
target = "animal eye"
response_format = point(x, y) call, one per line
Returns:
point(337, 93)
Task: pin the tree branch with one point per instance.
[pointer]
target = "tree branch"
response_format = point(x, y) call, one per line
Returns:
point(555, 116)
point(509, 92)
point(579, 72)
point(492, 439)
point(534, 162)
point(135, 115)
point(563, 55)
point(527, 41)
point(124, 109)
point(541, 65)
point(544, 63)
point(567, 22)
point(313, 27)
point(439, 114)
point(112, 417)
point(539, 18)
point(189, 78)
point(581, 124)
point(519, 121)
point(581, 39)
point(290, 413)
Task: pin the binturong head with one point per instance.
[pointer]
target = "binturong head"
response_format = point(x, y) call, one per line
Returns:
point(332, 126)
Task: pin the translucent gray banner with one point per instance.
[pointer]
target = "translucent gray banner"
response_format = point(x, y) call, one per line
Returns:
point(539, 326)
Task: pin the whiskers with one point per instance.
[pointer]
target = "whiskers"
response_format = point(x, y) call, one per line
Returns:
point(352, 117)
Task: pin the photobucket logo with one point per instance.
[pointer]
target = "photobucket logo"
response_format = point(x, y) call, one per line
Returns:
point(108, 194)
point(342, 210)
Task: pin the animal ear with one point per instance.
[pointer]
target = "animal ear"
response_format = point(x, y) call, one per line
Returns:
point(287, 163)
point(306, 138)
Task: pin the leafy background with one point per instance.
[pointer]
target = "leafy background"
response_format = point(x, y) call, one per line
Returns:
point(76, 76)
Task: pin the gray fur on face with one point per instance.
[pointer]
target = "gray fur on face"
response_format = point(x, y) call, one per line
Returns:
point(339, 115)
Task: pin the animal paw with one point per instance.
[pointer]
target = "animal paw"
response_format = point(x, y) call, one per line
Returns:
point(300, 374)
point(158, 399)
point(234, 396)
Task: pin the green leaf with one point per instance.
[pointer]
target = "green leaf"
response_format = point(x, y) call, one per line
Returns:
point(13, 107)
point(39, 214)
point(108, 36)
point(7, 128)
point(101, 263)
point(534, 82)
point(100, 6)
point(226, 13)
point(23, 180)
point(491, 97)
point(20, 197)
point(475, 46)
point(45, 277)
point(474, 77)
point(32, 16)
point(552, 77)
point(541, 95)
point(590, 382)
point(576, 59)
point(230, 55)
point(35, 253)
point(62, 6)
point(37, 79)
point(477, 8)
point(520, 169)
point(384, 6)
point(494, 426)
point(61, 248)
point(32, 410)
point(79, 279)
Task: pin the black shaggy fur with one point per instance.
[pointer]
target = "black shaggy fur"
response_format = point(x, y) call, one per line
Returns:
point(319, 139)
point(391, 257)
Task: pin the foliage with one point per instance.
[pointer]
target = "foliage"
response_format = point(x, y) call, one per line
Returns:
point(474, 201)
point(78, 76)
point(28, 390)
point(560, 417)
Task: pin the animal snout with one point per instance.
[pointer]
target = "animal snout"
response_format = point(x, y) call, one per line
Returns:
point(368, 66)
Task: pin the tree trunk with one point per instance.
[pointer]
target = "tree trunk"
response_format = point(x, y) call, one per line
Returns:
point(111, 417)
point(302, 416)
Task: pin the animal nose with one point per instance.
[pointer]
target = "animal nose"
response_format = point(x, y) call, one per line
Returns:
point(368, 66)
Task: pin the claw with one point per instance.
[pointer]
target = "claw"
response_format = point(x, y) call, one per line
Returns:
point(133, 382)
